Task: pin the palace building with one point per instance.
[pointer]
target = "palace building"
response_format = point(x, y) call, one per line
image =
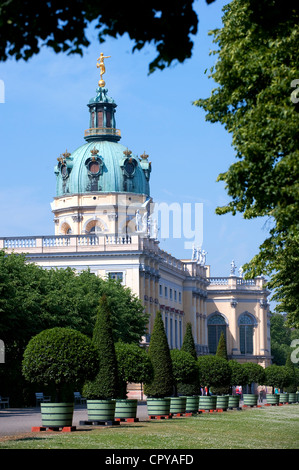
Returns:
point(103, 221)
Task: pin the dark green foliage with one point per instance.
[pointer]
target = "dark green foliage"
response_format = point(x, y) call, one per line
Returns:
point(106, 383)
point(281, 338)
point(134, 365)
point(214, 372)
point(188, 342)
point(62, 27)
point(255, 373)
point(277, 376)
point(239, 375)
point(190, 387)
point(185, 372)
point(221, 348)
point(292, 386)
point(33, 299)
point(59, 356)
point(163, 381)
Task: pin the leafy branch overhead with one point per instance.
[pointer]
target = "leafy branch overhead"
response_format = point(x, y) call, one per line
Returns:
point(62, 26)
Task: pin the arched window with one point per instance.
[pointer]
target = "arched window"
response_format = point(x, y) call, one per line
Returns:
point(93, 227)
point(246, 324)
point(65, 229)
point(216, 324)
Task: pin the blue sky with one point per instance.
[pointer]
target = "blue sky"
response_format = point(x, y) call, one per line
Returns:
point(45, 113)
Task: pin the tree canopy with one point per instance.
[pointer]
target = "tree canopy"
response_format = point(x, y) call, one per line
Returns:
point(33, 299)
point(255, 101)
point(59, 356)
point(61, 25)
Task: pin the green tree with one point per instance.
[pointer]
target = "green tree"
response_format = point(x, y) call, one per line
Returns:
point(255, 72)
point(188, 341)
point(221, 348)
point(106, 384)
point(281, 338)
point(62, 27)
point(277, 376)
point(255, 373)
point(214, 372)
point(239, 375)
point(193, 387)
point(33, 299)
point(159, 353)
point(185, 373)
point(292, 386)
point(133, 364)
point(59, 357)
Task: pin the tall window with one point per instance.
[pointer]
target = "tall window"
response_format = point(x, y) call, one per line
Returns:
point(216, 324)
point(246, 325)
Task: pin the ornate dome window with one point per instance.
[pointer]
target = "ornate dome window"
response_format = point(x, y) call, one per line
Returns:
point(94, 163)
point(94, 167)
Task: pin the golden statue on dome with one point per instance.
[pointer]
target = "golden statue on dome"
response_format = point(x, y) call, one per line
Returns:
point(101, 65)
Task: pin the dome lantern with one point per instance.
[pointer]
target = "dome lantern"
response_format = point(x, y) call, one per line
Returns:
point(102, 125)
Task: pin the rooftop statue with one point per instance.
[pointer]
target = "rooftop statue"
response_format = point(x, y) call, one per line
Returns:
point(101, 66)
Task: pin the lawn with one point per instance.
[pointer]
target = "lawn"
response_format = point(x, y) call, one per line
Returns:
point(253, 428)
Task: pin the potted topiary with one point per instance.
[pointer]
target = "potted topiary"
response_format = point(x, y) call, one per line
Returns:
point(160, 387)
point(185, 372)
point(102, 391)
point(277, 377)
point(134, 365)
point(255, 374)
point(291, 387)
point(59, 357)
point(192, 389)
point(214, 372)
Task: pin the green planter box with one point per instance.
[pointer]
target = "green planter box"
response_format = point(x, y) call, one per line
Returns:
point(207, 403)
point(272, 398)
point(233, 401)
point(57, 414)
point(249, 399)
point(125, 408)
point(283, 397)
point(158, 406)
point(292, 397)
point(192, 404)
point(177, 405)
point(101, 410)
point(222, 402)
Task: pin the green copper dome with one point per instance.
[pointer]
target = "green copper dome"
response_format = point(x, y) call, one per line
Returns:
point(102, 164)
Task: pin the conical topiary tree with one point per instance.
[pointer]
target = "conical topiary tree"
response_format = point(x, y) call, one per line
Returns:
point(221, 348)
point(106, 384)
point(188, 342)
point(159, 353)
point(190, 385)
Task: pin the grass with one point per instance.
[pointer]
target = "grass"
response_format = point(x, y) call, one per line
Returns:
point(253, 428)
